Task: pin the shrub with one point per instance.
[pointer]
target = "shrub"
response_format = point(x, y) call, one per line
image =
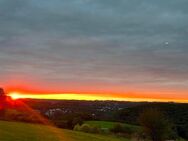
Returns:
point(85, 128)
point(77, 127)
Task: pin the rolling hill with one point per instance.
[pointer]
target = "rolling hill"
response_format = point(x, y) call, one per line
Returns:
point(15, 131)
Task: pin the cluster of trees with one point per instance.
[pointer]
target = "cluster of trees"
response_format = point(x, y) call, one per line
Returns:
point(174, 112)
point(154, 125)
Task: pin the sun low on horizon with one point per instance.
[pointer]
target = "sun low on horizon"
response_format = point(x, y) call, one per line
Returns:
point(90, 97)
point(94, 50)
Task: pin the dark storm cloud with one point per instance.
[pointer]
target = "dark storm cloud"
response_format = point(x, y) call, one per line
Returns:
point(120, 42)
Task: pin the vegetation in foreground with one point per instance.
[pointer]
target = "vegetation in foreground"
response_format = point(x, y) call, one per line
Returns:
point(108, 124)
point(156, 126)
point(15, 131)
point(115, 127)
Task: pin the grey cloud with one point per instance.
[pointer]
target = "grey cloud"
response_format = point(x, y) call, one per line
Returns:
point(112, 42)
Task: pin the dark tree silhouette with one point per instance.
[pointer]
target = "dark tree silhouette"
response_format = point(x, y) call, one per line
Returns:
point(154, 124)
point(2, 102)
point(2, 92)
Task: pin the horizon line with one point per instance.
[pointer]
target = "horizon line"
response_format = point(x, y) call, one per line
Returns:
point(87, 97)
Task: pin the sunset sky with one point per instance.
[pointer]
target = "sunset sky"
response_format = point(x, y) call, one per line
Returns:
point(105, 49)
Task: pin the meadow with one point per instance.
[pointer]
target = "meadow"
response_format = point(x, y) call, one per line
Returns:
point(16, 131)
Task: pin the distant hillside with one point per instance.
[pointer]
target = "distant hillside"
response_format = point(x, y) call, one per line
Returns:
point(177, 112)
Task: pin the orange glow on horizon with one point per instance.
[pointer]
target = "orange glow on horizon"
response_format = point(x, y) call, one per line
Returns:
point(22, 89)
point(74, 96)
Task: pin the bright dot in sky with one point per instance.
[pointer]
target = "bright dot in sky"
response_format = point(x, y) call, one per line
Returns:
point(166, 43)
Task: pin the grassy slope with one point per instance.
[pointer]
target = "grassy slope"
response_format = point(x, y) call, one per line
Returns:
point(14, 131)
point(106, 124)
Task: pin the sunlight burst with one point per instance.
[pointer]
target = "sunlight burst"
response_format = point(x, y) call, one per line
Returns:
point(15, 96)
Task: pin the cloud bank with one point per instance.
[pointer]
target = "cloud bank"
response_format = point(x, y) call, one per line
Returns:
point(101, 46)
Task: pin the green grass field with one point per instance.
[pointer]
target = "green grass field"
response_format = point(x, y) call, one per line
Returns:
point(15, 131)
point(108, 125)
